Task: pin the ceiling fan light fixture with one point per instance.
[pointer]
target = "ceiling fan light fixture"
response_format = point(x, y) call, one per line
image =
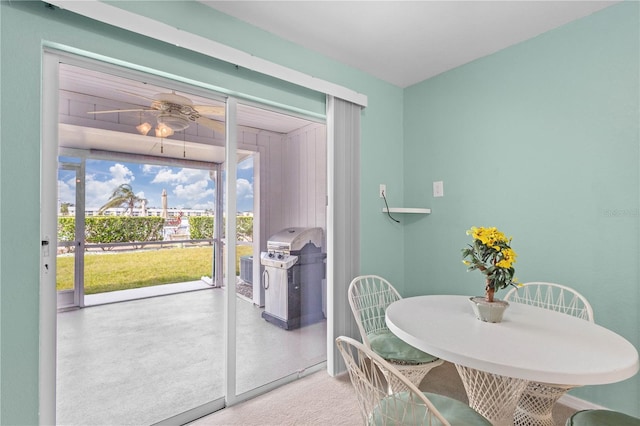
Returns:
point(175, 122)
point(163, 131)
point(144, 128)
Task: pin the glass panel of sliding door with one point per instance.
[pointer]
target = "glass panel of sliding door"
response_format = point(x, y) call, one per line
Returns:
point(144, 349)
point(280, 278)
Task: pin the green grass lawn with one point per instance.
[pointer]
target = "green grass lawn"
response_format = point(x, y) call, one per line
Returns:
point(120, 271)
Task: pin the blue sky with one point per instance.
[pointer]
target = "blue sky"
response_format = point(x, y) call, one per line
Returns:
point(186, 188)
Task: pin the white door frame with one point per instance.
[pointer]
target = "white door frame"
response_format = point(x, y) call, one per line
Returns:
point(48, 232)
point(48, 226)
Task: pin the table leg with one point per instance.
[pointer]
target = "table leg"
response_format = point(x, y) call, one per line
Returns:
point(492, 395)
point(536, 404)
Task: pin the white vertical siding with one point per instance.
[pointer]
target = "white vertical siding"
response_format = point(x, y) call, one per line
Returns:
point(293, 178)
point(305, 173)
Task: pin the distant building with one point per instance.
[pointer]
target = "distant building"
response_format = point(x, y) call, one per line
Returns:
point(151, 211)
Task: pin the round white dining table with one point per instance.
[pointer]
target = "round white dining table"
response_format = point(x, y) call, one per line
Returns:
point(497, 360)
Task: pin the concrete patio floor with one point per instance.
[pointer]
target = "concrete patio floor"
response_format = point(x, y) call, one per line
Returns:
point(141, 361)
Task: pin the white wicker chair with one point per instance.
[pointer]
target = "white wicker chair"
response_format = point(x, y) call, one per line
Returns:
point(369, 296)
point(537, 400)
point(552, 296)
point(407, 405)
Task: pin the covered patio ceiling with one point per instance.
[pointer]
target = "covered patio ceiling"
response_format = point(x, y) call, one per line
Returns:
point(83, 92)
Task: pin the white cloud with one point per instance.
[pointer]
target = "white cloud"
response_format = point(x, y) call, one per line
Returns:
point(149, 168)
point(67, 191)
point(244, 190)
point(194, 191)
point(163, 176)
point(166, 175)
point(98, 192)
point(121, 174)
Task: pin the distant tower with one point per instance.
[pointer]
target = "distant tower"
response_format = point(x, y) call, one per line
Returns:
point(164, 204)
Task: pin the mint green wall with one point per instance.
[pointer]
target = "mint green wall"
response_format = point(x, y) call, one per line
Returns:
point(540, 140)
point(25, 26)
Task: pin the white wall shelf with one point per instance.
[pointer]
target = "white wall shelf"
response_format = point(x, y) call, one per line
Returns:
point(405, 210)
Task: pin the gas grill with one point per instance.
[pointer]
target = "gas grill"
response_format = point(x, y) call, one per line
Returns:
point(292, 279)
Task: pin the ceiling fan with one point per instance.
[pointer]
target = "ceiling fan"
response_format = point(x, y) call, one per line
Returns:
point(174, 113)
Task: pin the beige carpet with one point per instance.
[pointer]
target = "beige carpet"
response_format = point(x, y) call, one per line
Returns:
point(323, 400)
point(317, 399)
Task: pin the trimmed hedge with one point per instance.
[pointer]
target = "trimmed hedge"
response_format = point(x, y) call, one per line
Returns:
point(66, 228)
point(113, 229)
point(244, 228)
point(128, 229)
point(201, 228)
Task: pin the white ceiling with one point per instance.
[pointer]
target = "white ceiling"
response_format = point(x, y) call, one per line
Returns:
point(405, 42)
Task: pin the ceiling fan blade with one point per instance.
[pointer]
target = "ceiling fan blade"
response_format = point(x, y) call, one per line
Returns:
point(120, 110)
point(210, 110)
point(211, 124)
point(137, 95)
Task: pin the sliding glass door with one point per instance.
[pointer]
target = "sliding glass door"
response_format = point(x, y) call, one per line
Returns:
point(164, 170)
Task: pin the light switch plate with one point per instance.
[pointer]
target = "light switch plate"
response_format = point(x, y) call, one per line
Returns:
point(438, 189)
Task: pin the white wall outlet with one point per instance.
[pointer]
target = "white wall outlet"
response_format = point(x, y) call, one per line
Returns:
point(383, 190)
point(438, 189)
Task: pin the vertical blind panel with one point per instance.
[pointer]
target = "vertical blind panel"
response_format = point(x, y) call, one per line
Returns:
point(345, 128)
